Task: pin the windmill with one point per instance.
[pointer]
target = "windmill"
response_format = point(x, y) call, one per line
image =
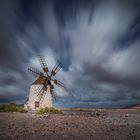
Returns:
point(42, 92)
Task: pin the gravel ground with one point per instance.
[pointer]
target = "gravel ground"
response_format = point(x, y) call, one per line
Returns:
point(72, 125)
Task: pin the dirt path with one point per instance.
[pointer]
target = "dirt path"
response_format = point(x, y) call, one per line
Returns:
point(73, 125)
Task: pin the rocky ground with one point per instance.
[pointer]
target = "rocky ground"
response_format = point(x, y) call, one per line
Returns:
point(72, 125)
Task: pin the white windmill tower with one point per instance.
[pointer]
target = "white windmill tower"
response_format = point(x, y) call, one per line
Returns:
point(42, 91)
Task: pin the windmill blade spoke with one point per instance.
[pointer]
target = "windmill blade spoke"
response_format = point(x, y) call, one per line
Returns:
point(37, 90)
point(53, 94)
point(71, 94)
point(61, 86)
point(56, 68)
point(58, 83)
point(40, 93)
point(35, 72)
point(41, 98)
point(43, 63)
point(40, 90)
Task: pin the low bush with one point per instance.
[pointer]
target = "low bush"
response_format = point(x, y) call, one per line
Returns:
point(48, 110)
point(11, 108)
point(41, 111)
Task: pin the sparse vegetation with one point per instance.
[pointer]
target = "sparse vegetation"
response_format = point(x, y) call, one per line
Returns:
point(48, 110)
point(11, 108)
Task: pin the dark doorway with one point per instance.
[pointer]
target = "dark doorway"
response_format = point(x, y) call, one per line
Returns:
point(36, 104)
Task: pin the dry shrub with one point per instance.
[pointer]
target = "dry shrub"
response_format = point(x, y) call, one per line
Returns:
point(12, 107)
point(50, 110)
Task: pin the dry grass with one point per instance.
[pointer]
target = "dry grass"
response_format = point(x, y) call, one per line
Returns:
point(11, 108)
point(48, 110)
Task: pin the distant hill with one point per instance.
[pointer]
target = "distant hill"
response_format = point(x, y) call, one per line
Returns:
point(136, 106)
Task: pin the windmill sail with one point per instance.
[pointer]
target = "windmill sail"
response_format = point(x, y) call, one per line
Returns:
point(35, 72)
point(43, 64)
point(37, 90)
point(53, 94)
point(58, 83)
point(56, 68)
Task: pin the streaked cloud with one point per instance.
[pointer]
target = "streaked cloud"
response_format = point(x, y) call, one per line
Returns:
point(97, 43)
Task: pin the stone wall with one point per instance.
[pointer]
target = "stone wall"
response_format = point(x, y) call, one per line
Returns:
point(46, 101)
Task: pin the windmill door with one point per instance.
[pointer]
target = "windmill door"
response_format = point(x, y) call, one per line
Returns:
point(36, 104)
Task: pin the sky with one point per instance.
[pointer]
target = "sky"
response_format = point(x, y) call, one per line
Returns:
point(97, 42)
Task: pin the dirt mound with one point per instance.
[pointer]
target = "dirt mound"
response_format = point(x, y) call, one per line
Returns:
point(137, 106)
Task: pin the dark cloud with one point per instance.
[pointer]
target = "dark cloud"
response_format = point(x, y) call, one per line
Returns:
point(97, 43)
